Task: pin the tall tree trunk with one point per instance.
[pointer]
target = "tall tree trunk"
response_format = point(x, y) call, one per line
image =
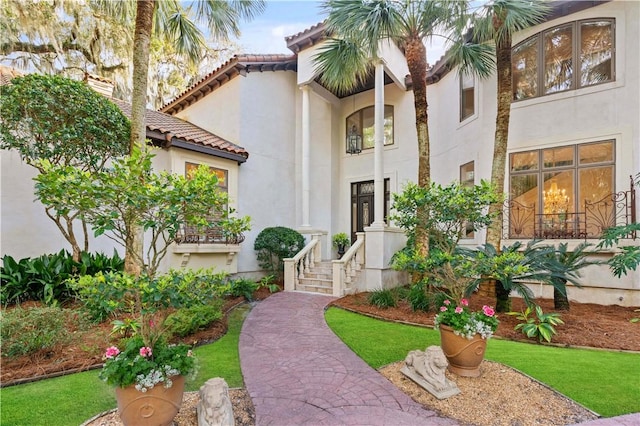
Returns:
point(416, 55)
point(498, 168)
point(141, 42)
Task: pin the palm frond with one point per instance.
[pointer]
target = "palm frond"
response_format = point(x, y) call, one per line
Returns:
point(502, 18)
point(342, 65)
point(223, 17)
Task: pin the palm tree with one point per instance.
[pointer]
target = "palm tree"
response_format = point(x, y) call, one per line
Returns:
point(495, 25)
point(565, 266)
point(356, 28)
point(169, 20)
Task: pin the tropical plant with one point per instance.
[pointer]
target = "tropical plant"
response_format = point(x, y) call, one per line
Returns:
point(464, 321)
point(340, 240)
point(515, 265)
point(115, 203)
point(629, 257)
point(43, 278)
point(244, 287)
point(382, 298)
point(147, 358)
point(568, 263)
point(274, 244)
point(356, 30)
point(66, 123)
point(542, 326)
point(445, 214)
point(494, 25)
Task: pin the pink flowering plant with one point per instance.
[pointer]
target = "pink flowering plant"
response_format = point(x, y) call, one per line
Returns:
point(145, 366)
point(466, 322)
point(146, 359)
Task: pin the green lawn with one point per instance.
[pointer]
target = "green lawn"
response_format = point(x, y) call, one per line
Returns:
point(73, 399)
point(606, 382)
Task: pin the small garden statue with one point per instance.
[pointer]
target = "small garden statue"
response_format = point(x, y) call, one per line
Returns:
point(427, 369)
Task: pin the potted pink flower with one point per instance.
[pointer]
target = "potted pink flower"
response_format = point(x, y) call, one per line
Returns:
point(464, 334)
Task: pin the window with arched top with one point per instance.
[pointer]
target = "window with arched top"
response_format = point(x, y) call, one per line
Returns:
point(566, 57)
point(362, 122)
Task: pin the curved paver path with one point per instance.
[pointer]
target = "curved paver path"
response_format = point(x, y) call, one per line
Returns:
point(299, 373)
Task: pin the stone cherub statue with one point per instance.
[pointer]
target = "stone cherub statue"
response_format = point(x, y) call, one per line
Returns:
point(427, 368)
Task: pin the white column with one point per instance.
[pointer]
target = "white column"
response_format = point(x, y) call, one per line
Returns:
point(306, 145)
point(378, 167)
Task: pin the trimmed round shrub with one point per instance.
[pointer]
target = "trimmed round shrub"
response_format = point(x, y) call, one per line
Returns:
point(275, 244)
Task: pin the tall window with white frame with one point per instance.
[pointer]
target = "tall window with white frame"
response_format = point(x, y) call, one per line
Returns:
point(467, 96)
point(566, 57)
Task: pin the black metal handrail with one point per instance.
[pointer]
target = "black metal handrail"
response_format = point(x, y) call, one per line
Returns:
point(212, 235)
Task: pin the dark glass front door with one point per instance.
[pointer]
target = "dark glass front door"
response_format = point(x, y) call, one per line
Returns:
point(362, 205)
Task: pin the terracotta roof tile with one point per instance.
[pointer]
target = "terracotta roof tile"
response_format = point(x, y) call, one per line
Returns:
point(235, 66)
point(306, 38)
point(172, 127)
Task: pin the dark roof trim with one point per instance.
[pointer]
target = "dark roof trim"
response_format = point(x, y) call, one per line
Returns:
point(306, 38)
point(237, 65)
point(180, 143)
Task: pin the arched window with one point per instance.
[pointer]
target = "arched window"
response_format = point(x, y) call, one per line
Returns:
point(363, 120)
point(567, 57)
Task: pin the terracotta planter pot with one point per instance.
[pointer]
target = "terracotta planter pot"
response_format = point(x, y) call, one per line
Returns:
point(464, 355)
point(157, 406)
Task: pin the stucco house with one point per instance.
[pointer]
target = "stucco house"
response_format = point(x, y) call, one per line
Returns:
point(315, 166)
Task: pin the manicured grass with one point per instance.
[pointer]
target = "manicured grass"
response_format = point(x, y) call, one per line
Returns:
point(68, 400)
point(221, 358)
point(71, 400)
point(606, 382)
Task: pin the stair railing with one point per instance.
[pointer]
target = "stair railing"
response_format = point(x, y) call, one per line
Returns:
point(346, 268)
point(295, 267)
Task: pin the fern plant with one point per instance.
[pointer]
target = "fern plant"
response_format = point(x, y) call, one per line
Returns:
point(541, 326)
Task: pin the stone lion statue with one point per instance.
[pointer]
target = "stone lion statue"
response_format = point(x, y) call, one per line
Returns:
point(431, 365)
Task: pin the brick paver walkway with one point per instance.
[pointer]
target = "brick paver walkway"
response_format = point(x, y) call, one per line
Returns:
point(299, 373)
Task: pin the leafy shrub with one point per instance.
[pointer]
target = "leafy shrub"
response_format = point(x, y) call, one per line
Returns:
point(105, 295)
point(26, 331)
point(418, 299)
point(243, 287)
point(189, 320)
point(44, 278)
point(541, 327)
point(275, 244)
point(383, 298)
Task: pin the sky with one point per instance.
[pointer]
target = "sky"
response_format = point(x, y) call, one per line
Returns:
point(283, 18)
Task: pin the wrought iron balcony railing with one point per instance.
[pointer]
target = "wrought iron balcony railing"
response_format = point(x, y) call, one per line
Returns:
point(616, 209)
point(213, 235)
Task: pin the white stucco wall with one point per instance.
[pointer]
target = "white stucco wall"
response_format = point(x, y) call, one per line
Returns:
point(257, 112)
point(25, 229)
point(606, 111)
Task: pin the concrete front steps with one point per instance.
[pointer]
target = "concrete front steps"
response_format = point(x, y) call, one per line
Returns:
point(318, 280)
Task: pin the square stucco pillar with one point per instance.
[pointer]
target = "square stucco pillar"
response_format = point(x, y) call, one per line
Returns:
point(380, 245)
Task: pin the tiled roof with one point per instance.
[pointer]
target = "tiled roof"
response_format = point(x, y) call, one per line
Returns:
point(306, 38)
point(172, 131)
point(167, 129)
point(237, 65)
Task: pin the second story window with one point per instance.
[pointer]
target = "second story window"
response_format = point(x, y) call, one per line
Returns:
point(363, 121)
point(567, 57)
point(467, 96)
